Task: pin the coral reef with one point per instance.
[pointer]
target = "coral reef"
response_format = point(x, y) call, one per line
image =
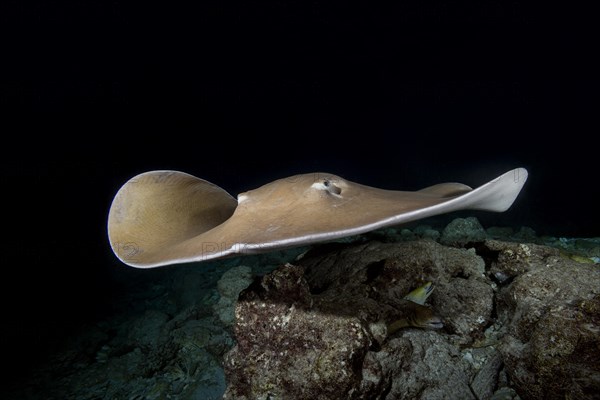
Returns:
point(314, 331)
point(521, 316)
point(230, 285)
point(552, 317)
point(461, 231)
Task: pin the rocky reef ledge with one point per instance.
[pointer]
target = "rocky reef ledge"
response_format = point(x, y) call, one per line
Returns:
point(519, 320)
point(520, 313)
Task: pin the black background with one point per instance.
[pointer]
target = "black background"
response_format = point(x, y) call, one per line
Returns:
point(397, 96)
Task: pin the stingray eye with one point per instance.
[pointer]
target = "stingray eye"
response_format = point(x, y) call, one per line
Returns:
point(331, 188)
point(327, 185)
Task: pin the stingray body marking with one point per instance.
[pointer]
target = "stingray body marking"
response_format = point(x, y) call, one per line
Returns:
point(167, 217)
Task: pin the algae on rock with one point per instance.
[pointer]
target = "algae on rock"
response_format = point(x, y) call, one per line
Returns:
point(309, 330)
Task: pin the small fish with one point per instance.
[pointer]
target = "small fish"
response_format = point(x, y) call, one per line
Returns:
point(578, 258)
point(415, 313)
point(420, 294)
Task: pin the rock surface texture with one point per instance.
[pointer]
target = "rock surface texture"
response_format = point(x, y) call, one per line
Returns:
point(521, 318)
point(517, 319)
point(552, 314)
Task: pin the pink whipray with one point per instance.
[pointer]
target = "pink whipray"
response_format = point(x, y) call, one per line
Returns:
point(167, 217)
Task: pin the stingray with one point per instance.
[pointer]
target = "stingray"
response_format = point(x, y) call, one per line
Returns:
point(168, 217)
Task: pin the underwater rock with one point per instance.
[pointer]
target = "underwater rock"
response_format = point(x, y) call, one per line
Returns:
point(462, 298)
point(521, 321)
point(586, 250)
point(552, 314)
point(507, 260)
point(137, 356)
point(416, 364)
point(505, 393)
point(313, 330)
point(229, 286)
point(318, 329)
point(426, 232)
point(147, 330)
point(526, 234)
point(486, 378)
point(499, 232)
point(288, 350)
point(461, 231)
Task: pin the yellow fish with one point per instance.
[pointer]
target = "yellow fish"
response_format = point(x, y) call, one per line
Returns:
point(415, 313)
